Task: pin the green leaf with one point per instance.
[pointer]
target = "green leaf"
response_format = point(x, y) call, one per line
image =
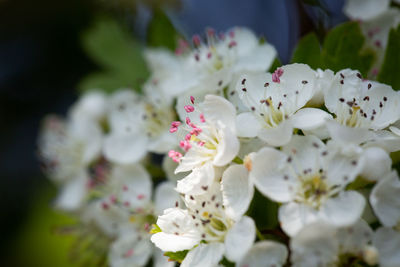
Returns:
point(263, 211)
point(178, 256)
point(156, 229)
point(389, 73)
point(161, 32)
point(119, 56)
point(343, 48)
point(308, 51)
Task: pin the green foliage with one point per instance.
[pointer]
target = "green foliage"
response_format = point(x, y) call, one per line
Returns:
point(342, 48)
point(176, 256)
point(225, 262)
point(263, 211)
point(111, 46)
point(308, 51)
point(389, 73)
point(161, 32)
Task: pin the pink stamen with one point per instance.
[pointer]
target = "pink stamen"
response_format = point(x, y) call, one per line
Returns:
point(192, 99)
point(209, 55)
point(201, 143)
point(196, 40)
point(232, 34)
point(202, 118)
point(188, 120)
point(210, 32)
point(232, 44)
point(175, 155)
point(146, 226)
point(113, 199)
point(127, 204)
point(188, 137)
point(173, 129)
point(195, 131)
point(140, 196)
point(176, 123)
point(276, 75)
point(378, 43)
point(129, 253)
point(197, 57)
point(185, 145)
point(189, 108)
point(105, 206)
point(125, 188)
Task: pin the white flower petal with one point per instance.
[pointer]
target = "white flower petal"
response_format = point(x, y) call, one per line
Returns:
point(72, 193)
point(159, 260)
point(387, 242)
point(277, 136)
point(247, 125)
point(347, 134)
point(240, 239)
point(377, 163)
point(365, 9)
point(354, 238)
point(178, 231)
point(204, 255)
point(125, 148)
point(314, 246)
point(237, 191)
point(227, 148)
point(259, 59)
point(265, 253)
point(385, 199)
point(198, 178)
point(165, 197)
point(309, 118)
point(268, 174)
point(343, 210)
point(294, 217)
point(218, 108)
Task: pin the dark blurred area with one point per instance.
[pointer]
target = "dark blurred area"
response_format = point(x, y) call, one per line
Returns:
point(42, 60)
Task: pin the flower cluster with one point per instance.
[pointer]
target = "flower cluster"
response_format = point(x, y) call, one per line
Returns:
point(317, 142)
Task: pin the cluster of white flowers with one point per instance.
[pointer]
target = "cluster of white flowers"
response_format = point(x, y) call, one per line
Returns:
point(314, 141)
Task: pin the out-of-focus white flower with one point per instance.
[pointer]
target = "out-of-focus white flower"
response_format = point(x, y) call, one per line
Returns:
point(137, 126)
point(310, 178)
point(273, 102)
point(385, 200)
point(365, 9)
point(125, 212)
point(91, 106)
point(387, 241)
point(206, 224)
point(321, 244)
point(67, 148)
point(265, 253)
point(210, 141)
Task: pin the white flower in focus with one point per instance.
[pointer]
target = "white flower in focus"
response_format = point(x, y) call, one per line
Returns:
point(67, 148)
point(206, 224)
point(210, 141)
point(265, 253)
point(310, 179)
point(385, 200)
point(274, 103)
point(137, 125)
point(360, 106)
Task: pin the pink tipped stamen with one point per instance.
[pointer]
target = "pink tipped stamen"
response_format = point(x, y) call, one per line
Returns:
point(276, 75)
point(202, 118)
point(192, 99)
point(209, 54)
point(129, 253)
point(105, 206)
point(185, 145)
point(189, 108)
point(210, 32)
point(195, 131)
point(140, 196)
point(146, 226)
point(176, 123)
point(173, 129)
point(201, 143)
point(113, 199)
point(232, 34)
point(175, 155)
point(188, 137)
point(127, 204)
point(196, 40)
point(125, 188)
point(232, 44)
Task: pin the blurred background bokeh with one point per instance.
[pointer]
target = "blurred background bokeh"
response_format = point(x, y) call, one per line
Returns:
point(52, 50)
